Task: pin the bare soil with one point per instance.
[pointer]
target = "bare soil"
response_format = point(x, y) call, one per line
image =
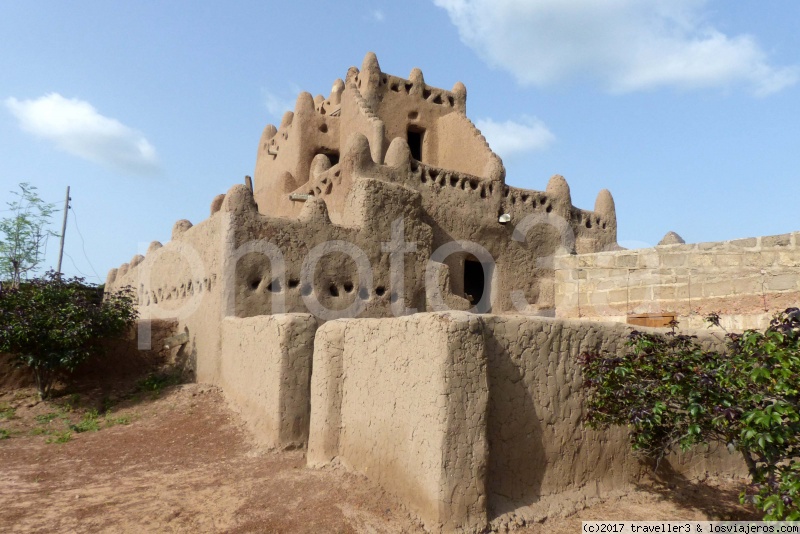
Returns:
point(175, 458)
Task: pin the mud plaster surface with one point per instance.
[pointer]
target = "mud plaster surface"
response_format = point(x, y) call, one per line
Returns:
point(469, 417)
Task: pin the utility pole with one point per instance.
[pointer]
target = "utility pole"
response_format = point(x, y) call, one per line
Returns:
point(63, 231)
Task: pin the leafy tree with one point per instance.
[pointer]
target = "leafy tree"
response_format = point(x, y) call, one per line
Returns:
point(23, 234)
point(673, 394)
point(52, 324)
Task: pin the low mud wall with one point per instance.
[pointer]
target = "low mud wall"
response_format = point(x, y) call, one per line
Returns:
point(542, 460)
point(404, 401)
point(265, 370)
point(541, 456)
point(474, 418)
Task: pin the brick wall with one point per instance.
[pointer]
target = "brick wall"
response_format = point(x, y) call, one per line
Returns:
point(745, 280)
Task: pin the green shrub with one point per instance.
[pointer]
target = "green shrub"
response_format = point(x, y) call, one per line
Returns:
point(53, 324)
point(672, 394)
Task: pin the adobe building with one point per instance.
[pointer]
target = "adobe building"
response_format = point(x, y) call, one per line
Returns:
point(379, 295)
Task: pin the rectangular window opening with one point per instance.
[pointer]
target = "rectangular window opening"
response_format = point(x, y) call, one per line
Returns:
point(474, 283)
point(414, 136)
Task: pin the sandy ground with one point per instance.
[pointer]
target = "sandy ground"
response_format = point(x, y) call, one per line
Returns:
point(178, 460)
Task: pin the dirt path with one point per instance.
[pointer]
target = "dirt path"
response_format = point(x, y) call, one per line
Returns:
point(181, 462)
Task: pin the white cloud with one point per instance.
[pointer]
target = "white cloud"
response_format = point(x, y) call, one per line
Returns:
point(510, 137)
point(378, 15)
point(76, 127)
point(627, 45)
point(277, 106)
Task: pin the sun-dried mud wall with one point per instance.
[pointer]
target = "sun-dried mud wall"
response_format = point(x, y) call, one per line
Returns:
point(265, 373)
point(182, 281)
point(540, 454)
point(745, 280)
point(352, 262)
point(542, 460)
point(485, 409)
point(411, 398)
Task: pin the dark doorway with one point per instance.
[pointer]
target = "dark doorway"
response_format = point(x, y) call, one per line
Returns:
point(415, 136)
point(474, 281)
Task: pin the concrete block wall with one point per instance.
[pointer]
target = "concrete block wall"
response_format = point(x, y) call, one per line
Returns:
point(746, 280)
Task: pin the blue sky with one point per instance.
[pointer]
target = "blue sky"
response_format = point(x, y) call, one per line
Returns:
point(687, 110)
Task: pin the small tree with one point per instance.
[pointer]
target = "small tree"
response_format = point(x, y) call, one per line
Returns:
point(23, 234)
point(52, 324)
point(672, 394)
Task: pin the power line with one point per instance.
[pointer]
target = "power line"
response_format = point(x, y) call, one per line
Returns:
point(76, 267)
point(83, 244)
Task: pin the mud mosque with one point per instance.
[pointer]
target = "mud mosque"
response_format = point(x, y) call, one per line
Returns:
point(379, 295)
